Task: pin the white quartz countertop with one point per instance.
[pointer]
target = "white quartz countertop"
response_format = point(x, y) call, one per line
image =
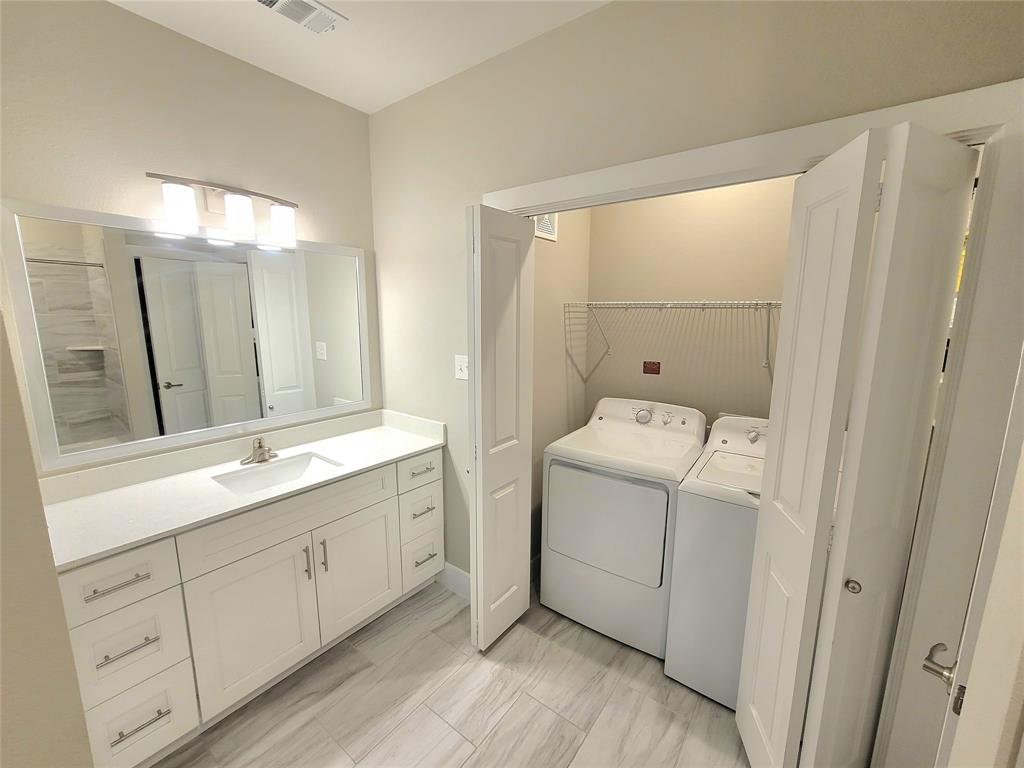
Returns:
point(89, 528)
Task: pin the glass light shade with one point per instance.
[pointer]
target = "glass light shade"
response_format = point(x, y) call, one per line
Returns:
point(240, 218)
point(282, 225)
point(180, 214)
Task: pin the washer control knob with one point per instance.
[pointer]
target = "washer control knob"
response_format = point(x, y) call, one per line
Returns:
point(666, 418)
point(644, 416)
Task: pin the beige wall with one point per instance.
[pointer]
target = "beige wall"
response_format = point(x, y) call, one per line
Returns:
point(626, 82)
point(42, 724)
point(560, 275)
point(716, 244)
point(93, 97)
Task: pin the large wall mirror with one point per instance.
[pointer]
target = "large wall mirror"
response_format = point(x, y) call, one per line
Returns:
point(128, 335)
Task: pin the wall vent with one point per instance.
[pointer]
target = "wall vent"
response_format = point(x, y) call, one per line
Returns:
point(546, 226)
point(311, 14)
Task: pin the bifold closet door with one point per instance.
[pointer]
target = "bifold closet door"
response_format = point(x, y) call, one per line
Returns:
point(501, 415)
point(860, 349)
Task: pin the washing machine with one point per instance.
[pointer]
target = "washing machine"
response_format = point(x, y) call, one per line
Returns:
point(609, 517)
point(716, 521)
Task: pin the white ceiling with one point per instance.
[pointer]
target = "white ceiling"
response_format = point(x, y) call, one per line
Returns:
point(389, 49)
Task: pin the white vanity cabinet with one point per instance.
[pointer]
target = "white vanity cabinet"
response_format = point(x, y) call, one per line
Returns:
point(358, 568)
point(252, 620)
point(169, 636)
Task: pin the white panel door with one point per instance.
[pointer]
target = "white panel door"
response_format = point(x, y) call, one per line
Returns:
point(174, 331)
point(229, 346)
point(826, 269)
point(252, 620)
point(918, 241)
point(281, 307)
point(359, 567)
point(501, 365)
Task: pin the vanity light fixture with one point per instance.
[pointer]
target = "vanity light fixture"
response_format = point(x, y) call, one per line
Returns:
point(180, 214)
point(282, 225)
point(240, 217)
point(182, 218)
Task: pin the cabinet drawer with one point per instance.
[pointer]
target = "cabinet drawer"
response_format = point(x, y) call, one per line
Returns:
point(422, 558)
point(127, 729)
point(99, 588)
point(217, 544)
point(419, 470)
point(123, 648)
point(422, 510)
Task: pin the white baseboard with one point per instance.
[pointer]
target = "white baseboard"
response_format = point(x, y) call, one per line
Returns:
point(455, 579)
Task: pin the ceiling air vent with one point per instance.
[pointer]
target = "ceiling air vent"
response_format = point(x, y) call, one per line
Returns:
point(546, 226)
point(314, 16)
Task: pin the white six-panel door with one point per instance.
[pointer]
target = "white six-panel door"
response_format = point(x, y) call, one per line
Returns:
point(826, 269)
point(501, 373)
point(225, 314)
point(281, 306)
point(171, 306)
point(909, 299)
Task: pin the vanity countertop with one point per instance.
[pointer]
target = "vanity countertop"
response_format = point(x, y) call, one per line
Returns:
point(92, 527)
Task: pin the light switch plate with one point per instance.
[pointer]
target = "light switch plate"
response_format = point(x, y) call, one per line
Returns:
point(462, 367)
point(321, 350)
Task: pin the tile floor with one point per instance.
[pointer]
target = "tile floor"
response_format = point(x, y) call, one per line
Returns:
point(409, 690)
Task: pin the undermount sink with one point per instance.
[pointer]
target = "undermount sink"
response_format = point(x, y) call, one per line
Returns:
point(307, 467)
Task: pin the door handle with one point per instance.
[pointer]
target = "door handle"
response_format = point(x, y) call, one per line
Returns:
point(941, 671)
point(309, 564)
point(323, 543)
point(169, 385)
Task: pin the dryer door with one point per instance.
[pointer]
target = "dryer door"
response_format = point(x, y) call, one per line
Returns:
point(608, 522)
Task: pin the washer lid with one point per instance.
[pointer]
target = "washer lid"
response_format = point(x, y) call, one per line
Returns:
point(649, 453)
point(734, 470)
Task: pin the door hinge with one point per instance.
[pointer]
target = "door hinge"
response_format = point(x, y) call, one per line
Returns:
point(831, 536)
point(878, 198)
point(958, 699)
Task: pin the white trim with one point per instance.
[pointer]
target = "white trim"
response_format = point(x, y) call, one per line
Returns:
point(16, 306)
point(455, 580)
point(969, 116)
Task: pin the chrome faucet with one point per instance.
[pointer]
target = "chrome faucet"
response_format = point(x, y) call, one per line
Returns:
point(261, 453)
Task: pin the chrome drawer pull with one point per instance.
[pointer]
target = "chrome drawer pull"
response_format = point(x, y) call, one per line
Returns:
point(98, 593)
point(426, 511)
point(107, 659)
point(122, 736)
point(422, 471)
point(427, 559)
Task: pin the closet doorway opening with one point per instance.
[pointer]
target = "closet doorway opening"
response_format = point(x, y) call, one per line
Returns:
point(843, 345)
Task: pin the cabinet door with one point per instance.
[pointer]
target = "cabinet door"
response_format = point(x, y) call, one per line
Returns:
point(359, 569)
point(252, 620)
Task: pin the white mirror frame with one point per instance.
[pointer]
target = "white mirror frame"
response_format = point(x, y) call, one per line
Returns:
point(19, 317)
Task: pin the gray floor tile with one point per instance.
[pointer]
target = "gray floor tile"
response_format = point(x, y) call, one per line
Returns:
point(633, 731)
point(284, 709)
point(455, 632)
point(192, 755)
point(476, 697)
point(529, 736)
point(712, 740)
point(401, 627)
point(577, 673)
point(646, 674)
point(422, 740)
point(369, 705)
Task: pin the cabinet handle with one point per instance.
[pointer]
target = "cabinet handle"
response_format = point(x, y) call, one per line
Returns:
point(422, 471)
point(122, 736)
point(309, 564)
point(427, 559)
point(107, 659)
point(98, 593)
point(323, 543)
point(426, 511)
